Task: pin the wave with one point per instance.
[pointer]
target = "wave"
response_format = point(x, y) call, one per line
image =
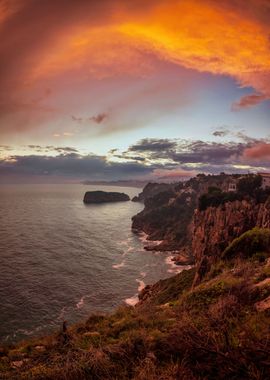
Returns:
point(173, 267)
point(144, 239)
point(120, 265)
point(61, 316)
point(125, 242)
point(80, 304)
point(132, 301)
point(130, 249)
point(141, 285)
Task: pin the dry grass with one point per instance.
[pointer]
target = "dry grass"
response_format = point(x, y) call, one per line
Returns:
point(210, 332)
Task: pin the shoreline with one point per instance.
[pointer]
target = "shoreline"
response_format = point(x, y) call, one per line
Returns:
point(173, 266)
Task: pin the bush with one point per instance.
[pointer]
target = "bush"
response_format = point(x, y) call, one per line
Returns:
point(249, 184)
point(253, 243)
point(215, 197)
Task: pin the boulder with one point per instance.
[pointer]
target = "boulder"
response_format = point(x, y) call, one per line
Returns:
point(104, 196)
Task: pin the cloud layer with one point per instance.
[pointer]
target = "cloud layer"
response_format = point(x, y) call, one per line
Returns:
point(148, 159)
point(64, 43)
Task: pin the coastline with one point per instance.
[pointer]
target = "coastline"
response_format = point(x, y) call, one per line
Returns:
point(169, 258)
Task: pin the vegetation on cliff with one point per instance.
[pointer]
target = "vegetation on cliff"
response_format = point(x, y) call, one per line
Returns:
point(166, 217)
point(253, 242)
point(216, 197)
point(248, 188)
point(170, 213)
point(218, 329)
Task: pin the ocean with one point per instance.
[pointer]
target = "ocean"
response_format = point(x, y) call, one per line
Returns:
point(62, 259)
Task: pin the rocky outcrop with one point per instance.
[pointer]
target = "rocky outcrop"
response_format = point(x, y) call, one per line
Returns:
point(175, 219)
point(152, 189)
point(166, 218)
point(103, 197)
point(169, 210)
point(216, 227)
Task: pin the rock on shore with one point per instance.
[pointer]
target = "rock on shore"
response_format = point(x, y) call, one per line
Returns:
point(104, 196)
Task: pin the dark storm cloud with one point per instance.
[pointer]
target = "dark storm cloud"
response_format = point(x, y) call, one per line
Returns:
point(184, 151)
point(65, 149)
point(71, 165)
point(153, 145)
point(51, 148)
point(196, 154)
point(221, 133)
point(147, 158)
point(129, 157)
point(208, 152)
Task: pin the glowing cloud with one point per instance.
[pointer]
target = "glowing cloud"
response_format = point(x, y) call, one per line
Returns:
point(259, 151)
point(197, 35)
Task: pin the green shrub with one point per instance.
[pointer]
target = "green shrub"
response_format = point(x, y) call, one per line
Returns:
point(215, 197)
point(249, 184)
point(253, 243)
point(172, 288)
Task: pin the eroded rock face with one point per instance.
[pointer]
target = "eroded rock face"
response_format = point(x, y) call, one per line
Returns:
point(103, 197)
point(172, 217)
point(166, 217)
point(152, 189)
point(216, 227)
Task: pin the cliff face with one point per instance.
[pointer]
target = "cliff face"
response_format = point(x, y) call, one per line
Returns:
point(169, 209)
point(167, 217)
point(152, 189)
point(216, 227)
point(175, 217)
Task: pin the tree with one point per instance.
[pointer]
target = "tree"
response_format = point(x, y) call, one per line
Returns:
point(249, 184)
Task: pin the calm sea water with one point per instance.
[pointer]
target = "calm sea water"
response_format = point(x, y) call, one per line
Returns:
point(61, 259)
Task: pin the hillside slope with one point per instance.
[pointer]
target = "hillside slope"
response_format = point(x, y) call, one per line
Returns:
point(218, 329)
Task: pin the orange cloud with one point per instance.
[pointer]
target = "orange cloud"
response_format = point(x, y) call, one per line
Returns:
point(62, 44)
point(8, 8)
point(258, 152)
point(199, 35)
point(248, 101)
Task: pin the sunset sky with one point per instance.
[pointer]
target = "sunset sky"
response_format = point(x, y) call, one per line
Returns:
point(114, 89)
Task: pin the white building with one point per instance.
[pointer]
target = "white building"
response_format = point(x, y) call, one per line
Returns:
point(265, 180)
point(232, 187)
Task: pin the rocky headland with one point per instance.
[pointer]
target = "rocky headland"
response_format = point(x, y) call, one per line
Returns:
point(201, 216)
point(104, 197)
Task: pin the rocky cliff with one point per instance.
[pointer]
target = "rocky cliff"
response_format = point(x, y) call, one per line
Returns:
point(216, 227)
point(166, 218)
point(198, 219)
point(152, 189)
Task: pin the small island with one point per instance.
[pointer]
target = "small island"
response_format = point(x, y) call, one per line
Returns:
point(104, 197)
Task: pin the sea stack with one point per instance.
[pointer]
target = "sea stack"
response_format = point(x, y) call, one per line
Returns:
point(104, 197)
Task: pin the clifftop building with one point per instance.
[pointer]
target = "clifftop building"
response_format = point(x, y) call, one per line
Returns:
point(265, 180)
